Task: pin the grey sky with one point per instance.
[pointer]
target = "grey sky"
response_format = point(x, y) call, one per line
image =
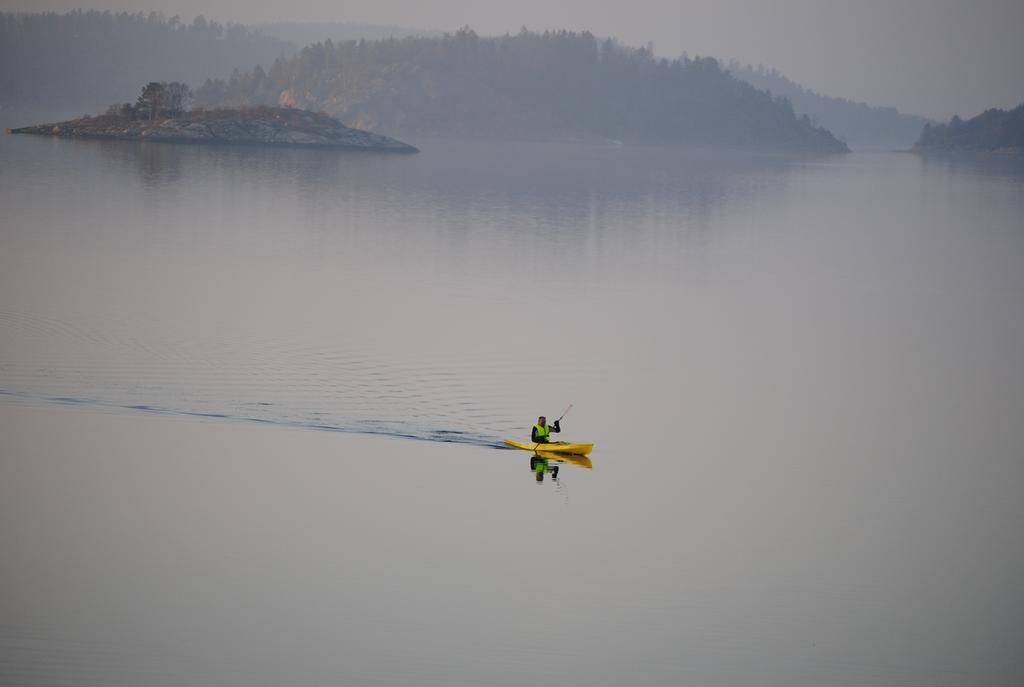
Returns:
point(931, 57)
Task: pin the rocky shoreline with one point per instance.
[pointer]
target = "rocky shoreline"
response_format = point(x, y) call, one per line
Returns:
point(264, 126)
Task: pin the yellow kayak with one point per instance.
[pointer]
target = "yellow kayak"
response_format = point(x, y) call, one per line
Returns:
point(553, 447)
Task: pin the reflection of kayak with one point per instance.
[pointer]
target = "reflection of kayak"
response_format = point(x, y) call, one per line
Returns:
point(553, 447)
point(547, 456)
point(582, 461)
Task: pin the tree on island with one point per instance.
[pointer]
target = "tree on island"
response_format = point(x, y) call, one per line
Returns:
point(158, 98)
point(161, 97)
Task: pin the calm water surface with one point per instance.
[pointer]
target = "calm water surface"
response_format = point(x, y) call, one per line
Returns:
point(804, 377)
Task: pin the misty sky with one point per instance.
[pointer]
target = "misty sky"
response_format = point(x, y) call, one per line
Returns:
point(930, 57)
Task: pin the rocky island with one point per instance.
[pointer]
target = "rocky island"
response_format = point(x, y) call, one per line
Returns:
point(161, 117)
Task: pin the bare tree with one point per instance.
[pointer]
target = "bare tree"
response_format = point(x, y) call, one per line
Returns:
point(178, 97)
point(153, 98)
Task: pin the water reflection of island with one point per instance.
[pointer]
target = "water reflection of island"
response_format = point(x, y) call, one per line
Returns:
point(541, 464)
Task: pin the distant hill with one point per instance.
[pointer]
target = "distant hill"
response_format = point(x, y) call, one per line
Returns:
point(550, 86)
point(854, 122)
point(992, 131)
point(58, 64)
point(301, 34)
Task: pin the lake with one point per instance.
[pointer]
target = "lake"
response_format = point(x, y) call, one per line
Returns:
point(252, 403)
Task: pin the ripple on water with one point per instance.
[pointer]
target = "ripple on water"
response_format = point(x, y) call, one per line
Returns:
point(291, 382)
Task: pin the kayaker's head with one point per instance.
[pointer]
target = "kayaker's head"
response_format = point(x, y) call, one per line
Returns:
point(542, 421)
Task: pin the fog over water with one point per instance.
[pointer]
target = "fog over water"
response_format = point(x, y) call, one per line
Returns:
point(803, 376)
point(929, 57)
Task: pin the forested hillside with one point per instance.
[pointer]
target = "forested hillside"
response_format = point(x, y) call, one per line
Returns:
point(301, 34)
point(81, 62)
point(563, 85)
point(856, 123)
point(992, 130)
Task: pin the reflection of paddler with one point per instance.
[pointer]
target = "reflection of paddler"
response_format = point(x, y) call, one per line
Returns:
point(539, 465)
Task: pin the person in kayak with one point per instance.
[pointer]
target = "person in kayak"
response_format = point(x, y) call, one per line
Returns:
point(541, 430)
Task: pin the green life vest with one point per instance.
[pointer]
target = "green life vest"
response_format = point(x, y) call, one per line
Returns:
point(542, 431)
